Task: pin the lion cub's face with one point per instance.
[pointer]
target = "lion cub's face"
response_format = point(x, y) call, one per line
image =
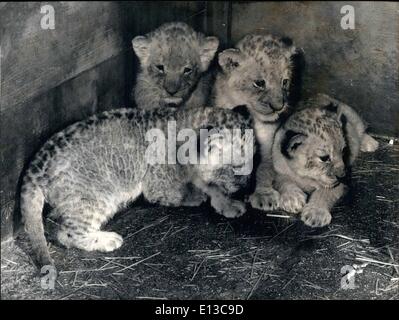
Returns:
point(173, 58)
point(318, 157)
point(259, 74)
point(226, 155)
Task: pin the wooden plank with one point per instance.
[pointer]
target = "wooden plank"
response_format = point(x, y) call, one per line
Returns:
point(218, 22)
point(358, 66)
point(27, 126)
point(144, 16)
point(36, 60)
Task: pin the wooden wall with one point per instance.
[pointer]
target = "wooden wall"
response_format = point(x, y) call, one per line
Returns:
point(50, 78)
point(360, 66)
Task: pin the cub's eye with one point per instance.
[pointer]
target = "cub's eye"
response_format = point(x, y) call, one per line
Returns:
point(260, 84)
point(160, 68)
point(325, 158)
point(285, 83)
point(187, 71)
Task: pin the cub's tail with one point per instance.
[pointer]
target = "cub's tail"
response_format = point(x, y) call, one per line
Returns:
point(368, 144)
point(32, 202)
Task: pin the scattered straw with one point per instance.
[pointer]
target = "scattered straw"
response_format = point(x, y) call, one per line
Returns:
point(122, 258)
point(167, 233)
point(393, 260)
point(288, 282)
point(253, 263)
point(366, 259)
point(282, 231)
point(153, 298)
point(138, 262)
point(173, 233)
point(9, 261)
point(312, 285)
point(279, 216)
point(376, 287)
point(90, 295)
point(337, 236)
point(86, 270)
point(160, 220)
point(344, 244)
point(197, 269)
point(255, 286)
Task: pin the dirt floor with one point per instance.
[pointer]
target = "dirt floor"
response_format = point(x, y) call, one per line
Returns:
point(183, 253)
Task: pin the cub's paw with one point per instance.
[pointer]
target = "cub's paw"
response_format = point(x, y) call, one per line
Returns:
point(293, 200)
point(234, 210)
point(266, 200)
point(369, 144)
point(229, 208)
point(194, 199)
point(316, 217)
point(97, 241)
point(43, 259)
point(107, 241)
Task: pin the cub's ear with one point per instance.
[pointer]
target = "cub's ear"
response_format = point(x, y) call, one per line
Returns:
point(141, 46)
point(291, 142)
point(331, 107)
point(207, 52)
point(242, 110)
point(286, 41)
point(296, 56)
point(229, 59)
point(336, 110)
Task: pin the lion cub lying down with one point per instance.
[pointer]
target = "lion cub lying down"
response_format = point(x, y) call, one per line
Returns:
point(93, 168)
point(311, 153)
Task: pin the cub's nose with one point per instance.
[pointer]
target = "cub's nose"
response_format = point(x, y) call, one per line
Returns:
point(340, 172)
point(273, 106)
point(171, 91)
point(277, 107)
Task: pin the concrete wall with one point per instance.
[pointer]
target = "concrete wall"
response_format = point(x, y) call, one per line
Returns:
point(358, 66)
point(50, 78)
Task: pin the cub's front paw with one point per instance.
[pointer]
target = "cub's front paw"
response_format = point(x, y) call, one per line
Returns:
point(369, 144)
point(293, 200)
point(194, 199)
point(229, 208)
point(267, 200)
point(316, 217)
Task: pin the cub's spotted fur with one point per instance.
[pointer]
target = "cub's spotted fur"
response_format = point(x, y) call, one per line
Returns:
point(174, 60)
point(88, 171)
point(261, 73)
point(311, 153)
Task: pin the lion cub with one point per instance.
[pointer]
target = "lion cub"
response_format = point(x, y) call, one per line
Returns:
point(174, 61)
point(95, 167)
point(261, 72)
point(311, 153)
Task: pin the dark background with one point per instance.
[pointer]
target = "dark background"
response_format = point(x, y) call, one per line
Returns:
point(50, 78)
